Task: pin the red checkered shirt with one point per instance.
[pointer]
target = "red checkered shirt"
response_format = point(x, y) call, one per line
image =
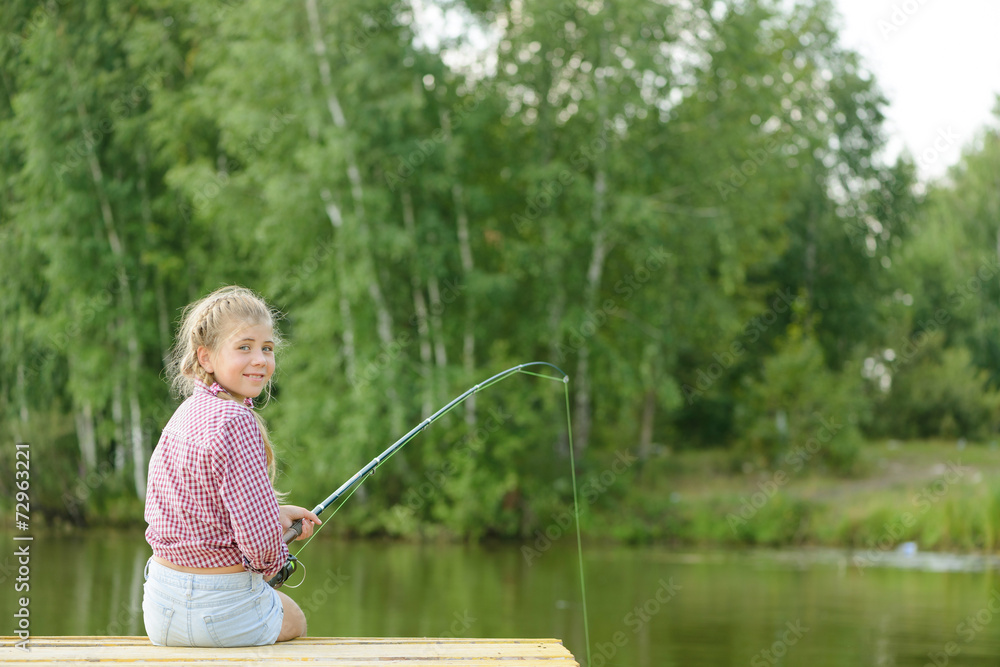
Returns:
point(209, 502)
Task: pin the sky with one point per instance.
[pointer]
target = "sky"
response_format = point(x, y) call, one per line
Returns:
point(938, 62)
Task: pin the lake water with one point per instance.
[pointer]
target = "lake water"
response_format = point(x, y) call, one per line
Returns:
point(648, 606)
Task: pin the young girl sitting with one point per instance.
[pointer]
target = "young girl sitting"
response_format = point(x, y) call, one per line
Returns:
point(215, 525)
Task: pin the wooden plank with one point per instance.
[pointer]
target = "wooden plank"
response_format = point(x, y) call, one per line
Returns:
point(318, 651)
point(301, 651)
point(128, 640)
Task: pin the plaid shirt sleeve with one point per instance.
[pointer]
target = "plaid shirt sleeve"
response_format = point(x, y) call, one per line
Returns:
point(248, 497)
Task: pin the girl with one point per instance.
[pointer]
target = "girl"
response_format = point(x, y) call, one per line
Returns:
point(215, 525)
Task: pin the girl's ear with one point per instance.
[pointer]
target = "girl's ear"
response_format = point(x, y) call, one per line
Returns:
point(205, 359)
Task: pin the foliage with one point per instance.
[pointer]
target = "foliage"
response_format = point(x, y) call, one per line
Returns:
point(684, 206)
point(800, 414)
point(940, 392)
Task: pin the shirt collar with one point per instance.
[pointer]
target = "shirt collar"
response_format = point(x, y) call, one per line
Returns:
point(216, 388)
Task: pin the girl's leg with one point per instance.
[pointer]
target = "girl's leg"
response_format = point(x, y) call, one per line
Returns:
point(294, 622)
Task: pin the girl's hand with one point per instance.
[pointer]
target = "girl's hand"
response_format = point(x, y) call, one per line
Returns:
point(289, 513)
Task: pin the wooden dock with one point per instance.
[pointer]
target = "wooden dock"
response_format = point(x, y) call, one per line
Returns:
point(318, 651)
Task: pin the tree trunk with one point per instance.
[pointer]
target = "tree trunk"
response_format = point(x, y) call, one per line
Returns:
point(126, 303)
point(594, 273)
point(85, 435)
point(383, 317)
point(440, 351)
point(998, 244)
point(420, 310)
point(809, 264)
point(582, 407)
point(22, 400)
point(118, 418)
point(346, 314)
point(465, 253)
point(163, 318)
point(646, 425)
point(135, 414)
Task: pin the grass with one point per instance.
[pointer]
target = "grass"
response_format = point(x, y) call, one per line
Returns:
point(941, 495)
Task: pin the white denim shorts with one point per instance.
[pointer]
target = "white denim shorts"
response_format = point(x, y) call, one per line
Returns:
point(215, 610)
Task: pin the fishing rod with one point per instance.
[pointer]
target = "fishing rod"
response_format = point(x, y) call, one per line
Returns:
point(296, 528)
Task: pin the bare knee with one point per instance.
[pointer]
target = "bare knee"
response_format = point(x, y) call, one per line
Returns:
point(294, 622)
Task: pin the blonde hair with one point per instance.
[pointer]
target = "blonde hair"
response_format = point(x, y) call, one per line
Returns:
point(207, 323)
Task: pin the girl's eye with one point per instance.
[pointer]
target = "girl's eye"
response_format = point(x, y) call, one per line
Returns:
point(244, 347)
point(268, 348)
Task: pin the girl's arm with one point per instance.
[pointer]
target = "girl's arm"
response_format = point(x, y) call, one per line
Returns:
point(249, 497)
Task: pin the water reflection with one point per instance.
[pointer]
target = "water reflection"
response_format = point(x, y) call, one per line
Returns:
point(647, 606)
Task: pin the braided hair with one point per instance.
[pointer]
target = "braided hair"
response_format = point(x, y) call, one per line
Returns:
point(207, 323)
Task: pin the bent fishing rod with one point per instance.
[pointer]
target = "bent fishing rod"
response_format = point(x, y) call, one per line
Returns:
point(355, 481)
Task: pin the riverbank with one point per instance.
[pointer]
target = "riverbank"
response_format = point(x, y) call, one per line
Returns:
point(929, 496)
point(941, 496)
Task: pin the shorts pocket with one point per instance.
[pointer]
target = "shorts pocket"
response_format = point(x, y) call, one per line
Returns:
point(156, 617)
point(241, 625)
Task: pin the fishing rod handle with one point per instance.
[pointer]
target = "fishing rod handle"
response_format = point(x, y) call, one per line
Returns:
point(292, 532)
point(284, 573)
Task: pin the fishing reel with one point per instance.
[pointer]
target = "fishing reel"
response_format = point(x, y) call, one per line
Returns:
point(284, 573)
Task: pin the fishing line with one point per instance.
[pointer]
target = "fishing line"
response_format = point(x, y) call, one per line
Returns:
point(352, 485)
point(576, 513)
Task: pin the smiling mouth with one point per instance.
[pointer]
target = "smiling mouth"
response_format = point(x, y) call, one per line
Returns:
point(253, 376)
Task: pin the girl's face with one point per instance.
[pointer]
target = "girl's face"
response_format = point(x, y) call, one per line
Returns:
point(244, 362)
